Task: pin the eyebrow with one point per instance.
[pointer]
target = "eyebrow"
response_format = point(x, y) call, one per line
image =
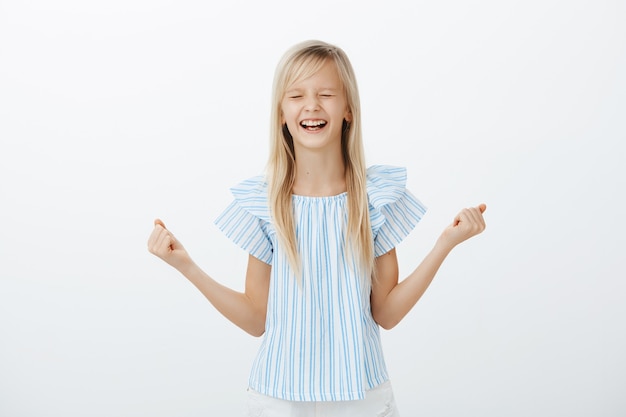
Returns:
point(297, 90)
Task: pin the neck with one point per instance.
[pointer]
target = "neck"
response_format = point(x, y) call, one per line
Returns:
point(319, 174)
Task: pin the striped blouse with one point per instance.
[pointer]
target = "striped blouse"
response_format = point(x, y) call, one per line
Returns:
point(320, 342)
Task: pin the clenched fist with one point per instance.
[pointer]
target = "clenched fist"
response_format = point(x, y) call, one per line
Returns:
point(469, 222)
point(163, 244)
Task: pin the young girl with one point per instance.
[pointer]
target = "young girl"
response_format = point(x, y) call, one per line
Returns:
point(321, 230)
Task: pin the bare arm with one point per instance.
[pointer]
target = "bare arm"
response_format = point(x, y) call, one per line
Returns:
point(392, 300)
point(247, 310)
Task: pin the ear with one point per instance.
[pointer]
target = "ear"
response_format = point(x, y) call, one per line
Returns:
point(348, 116)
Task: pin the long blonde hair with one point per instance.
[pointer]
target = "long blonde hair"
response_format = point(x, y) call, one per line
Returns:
point(298, 63)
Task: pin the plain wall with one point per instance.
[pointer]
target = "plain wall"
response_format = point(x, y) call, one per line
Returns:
point(114, 113)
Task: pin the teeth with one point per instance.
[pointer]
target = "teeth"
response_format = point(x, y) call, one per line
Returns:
point(312, 123)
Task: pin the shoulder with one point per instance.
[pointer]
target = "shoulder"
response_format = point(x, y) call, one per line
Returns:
point(394, 211)
point(249, 187)
point(385, 184)
point(251, 195)
point(384, 171)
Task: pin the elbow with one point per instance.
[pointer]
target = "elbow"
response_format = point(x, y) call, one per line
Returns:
point(386, 322)
point(256, 329)
point(256, 332)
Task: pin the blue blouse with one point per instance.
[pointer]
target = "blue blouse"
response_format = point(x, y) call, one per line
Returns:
point(320, 342)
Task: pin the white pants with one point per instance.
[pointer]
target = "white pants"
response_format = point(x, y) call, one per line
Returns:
point(378, 402)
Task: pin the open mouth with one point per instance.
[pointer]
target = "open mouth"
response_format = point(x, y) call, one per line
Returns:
point(313, 125)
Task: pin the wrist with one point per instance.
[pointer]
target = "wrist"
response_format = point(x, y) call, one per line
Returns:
point(185, 266)
point(444, 245)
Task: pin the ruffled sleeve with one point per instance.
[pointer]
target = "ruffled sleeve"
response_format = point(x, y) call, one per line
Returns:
point(394, 211)
point(247, 220)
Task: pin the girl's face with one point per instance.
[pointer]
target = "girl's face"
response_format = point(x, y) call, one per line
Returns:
point(314, 110)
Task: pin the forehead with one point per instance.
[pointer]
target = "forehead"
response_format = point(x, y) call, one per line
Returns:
point(322, 75)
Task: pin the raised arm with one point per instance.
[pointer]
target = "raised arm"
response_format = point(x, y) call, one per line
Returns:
point(392, 300)
point(247, 310)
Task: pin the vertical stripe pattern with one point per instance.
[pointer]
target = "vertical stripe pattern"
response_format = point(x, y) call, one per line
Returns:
point(321, 342)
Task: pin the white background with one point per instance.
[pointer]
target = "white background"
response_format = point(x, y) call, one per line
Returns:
point(115, 112)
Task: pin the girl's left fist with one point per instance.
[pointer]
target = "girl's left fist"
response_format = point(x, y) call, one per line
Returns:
point(469, 222)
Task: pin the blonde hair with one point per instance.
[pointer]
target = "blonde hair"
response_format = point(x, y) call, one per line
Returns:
point(298, 63)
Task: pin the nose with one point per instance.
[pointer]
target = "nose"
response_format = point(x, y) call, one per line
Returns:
point(312, 103)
